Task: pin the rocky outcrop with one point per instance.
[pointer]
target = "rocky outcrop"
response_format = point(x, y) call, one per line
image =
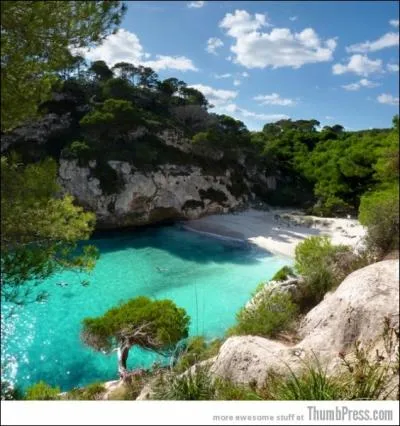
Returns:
point(124, 193)
point(292, 285)
point(170, 192)
point(354, 312)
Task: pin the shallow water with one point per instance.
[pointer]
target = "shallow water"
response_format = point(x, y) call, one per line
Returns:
point(210, 278)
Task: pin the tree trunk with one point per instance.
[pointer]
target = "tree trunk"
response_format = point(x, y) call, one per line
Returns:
point(123, 352)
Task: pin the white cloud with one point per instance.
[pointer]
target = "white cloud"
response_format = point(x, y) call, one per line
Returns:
point(279, 48)
point(235, 110)
point(245, 74)
point(387, 40)
point(227, 75)
point(362, 83)
point(236, 82)
point(163, 62)
point(392, 67)
point(394, 23)
point(360, 65)
point(329, 117)
point(216, 97)
point(274, 99)
point(293, 18)
point(213, 44)
point(241, 22)
point(125, 46)
point(387, 99)
point(196, 4)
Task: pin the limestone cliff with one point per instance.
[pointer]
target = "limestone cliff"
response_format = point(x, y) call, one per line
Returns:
point(132, 195)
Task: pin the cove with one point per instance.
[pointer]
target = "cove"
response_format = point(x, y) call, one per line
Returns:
point(211, 278)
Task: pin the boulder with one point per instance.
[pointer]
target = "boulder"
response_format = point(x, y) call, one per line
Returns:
point(355, 311)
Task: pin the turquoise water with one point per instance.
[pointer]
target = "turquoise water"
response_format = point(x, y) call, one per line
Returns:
point(210, 278)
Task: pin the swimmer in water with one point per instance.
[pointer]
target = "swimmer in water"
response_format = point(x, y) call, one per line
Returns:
point(62, 284)
point(161, 269)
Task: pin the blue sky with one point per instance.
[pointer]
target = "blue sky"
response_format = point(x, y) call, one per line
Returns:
point(260, 61)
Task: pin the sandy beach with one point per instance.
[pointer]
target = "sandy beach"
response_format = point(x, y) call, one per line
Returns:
point(278, 230)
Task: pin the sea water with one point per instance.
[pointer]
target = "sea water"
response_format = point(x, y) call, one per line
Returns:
point(210, 278)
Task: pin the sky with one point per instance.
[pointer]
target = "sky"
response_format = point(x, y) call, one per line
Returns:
point(262, 61)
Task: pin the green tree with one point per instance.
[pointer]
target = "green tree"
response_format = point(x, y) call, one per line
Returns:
point(147, 77)
point(126, 71)
point(40, 228)
point(156, 325)
point(39, 232)
point(111, 121)
point(379, 212)
point(100, 71)
point(35, 41)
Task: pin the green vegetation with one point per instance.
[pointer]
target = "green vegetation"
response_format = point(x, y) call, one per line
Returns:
point(272, 313)
point(315, 261)
point(35, 37)
point(93, 392)
point(153, 325)
point(283, 274)
point(365, 375)
point(379, 212)
point(311, 384)
point(39, 233)
point(40, 229)
point(197, 349)
point(192, 386)
point(42, 392)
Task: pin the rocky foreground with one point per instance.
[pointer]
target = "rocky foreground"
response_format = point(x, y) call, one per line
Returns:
point(355, 311)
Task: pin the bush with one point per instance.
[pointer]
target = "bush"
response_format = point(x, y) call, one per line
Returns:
point(197, 350)
point(273, 313)
point(379, 212)
point(283, 274)
point(312, 383)
point(315, 259)
point(91, 392)
point(193, 386)
point(42, 392)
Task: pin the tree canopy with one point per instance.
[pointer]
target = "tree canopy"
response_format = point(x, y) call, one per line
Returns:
point(35, 40)
point(40, 227)
point(155, 325)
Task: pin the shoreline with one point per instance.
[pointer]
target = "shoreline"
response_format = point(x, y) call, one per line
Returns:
point(277, 230)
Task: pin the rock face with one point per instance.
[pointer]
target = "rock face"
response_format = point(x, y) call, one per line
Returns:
point(170, 192)
point(354, 312)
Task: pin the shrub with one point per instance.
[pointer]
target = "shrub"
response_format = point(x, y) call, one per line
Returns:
point(42, 392)
point(315, 258)
point(273, 313)
point(197, 350)
point(283, 274)
point(129, 390)
point(312, 383)
point(92, 392)
point(79, 149)
point(195, 385)
point(379, 212)
point(227, 391)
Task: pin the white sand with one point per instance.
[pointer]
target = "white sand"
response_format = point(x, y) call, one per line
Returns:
point(278, 235)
